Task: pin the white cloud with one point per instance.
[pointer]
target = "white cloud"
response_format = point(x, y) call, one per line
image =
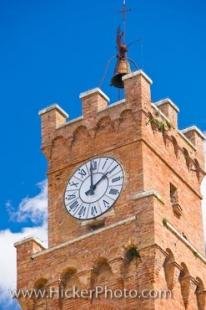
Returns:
point(31, 208)
point(34, 209)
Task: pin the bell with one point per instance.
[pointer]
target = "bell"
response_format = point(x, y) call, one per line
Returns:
point(122, 68)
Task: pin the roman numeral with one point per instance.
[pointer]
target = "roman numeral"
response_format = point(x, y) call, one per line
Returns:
point(106, 203)
point(93, 165)
point(113, 191)
point(73, 184)
point(70, 197)
point(82, 211)
point(82, 172)
point(116, 179)
point(93, 211)
point(74, 205)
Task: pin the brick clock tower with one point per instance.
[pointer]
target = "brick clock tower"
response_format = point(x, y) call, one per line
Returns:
point(124, 205)
point(125, 225)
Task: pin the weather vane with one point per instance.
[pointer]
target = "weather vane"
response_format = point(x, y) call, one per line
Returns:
point(122, 66)
point(124, 10)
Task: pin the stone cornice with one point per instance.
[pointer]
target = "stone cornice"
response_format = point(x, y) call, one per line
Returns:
point(93, 91)
point(167, 100)
point(148, 193)
point(54, 106)
point(26, 240)
point(136, 73)
point(194, 128)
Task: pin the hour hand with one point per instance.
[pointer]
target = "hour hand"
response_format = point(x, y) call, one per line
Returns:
point(91, 190)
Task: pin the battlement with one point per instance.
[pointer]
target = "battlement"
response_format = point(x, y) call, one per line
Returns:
point(139, 133)
point(98, 114)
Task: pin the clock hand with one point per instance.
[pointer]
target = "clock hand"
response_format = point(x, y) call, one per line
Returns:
point(92, 181)
point(91, 190)
point(102, 178)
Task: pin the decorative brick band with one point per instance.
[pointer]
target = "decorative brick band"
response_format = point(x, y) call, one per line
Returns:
point(185, 241)
point(123, 222)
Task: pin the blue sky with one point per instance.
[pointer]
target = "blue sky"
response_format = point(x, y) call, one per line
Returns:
point(53, 50)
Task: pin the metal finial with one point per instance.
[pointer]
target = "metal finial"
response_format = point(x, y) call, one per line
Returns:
point(124, 10)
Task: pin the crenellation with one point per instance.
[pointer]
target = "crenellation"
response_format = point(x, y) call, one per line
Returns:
point(197, 138)
point(113, 110)
point(166, 136)
point(93, 101)
point(137, 87)
point(169, 109)
point(51, 118)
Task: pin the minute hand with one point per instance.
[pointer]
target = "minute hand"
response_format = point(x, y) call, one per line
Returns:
point(103, 177)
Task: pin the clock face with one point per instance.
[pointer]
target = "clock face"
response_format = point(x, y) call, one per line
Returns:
point(93, 188)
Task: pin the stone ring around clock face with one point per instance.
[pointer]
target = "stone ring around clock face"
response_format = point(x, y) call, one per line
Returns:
point(94, 188)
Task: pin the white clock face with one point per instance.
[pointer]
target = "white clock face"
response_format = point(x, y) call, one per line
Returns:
point(93, 188)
